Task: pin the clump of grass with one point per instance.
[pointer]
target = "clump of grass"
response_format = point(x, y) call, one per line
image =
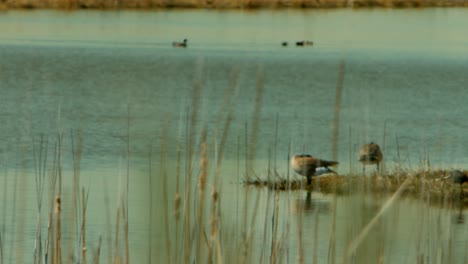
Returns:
point(435, 185)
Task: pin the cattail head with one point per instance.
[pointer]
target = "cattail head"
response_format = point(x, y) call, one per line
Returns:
point(177, 206)
point(214, 195)
point(203, 167)
point(57, 205)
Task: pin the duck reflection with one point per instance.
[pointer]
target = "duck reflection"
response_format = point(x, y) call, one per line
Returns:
point(312, 204)
point(459, 216)
point(460, 219)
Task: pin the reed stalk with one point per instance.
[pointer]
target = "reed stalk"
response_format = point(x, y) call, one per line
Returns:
point(398, 159)
point(76, 151)
point(336, 128)
point(98, 253)
point(190, 141)
point(14, 195)
point(108, 225)
point(50, 246)
point(4, 217)
point(237, 191)
point(288, 202)
point(316, 231)
point(337, 108)
point(125, 233)
point(125, 206)
point(202, 179)
point(58, 233)
point(255, 120)
point(383, 163)
point(244, 253)
point(1, 246)
point(84, 204)
point(58, 205)
point(215, 215)
point(150, 216)
point(300, 248)
point(274, 221)
point(163, 171)
point(51, 250)
point(265, 224)
point(117, 258)
point(249, 234)
point(40, 167)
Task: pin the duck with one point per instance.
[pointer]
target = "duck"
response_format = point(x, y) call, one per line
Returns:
point(370, 154)
point(304, 43)
point(307, 165)
point(182, 44)
point(459, 177)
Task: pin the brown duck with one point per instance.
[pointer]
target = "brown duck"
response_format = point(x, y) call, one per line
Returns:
point(370, 154)
point(306, 165)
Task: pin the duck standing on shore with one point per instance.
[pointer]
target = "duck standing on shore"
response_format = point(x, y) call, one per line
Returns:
point(306, 165)
point(459, 177)
point(370, 154)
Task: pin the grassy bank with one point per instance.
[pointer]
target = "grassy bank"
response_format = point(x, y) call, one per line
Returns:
point(434, 186)
point(224, 4)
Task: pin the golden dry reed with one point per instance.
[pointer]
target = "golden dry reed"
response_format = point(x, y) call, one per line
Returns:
point(336, 129)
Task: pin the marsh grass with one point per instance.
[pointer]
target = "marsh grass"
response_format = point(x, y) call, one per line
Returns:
point(60, 234)
point(435, 185)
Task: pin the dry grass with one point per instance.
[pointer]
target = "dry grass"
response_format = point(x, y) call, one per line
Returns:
point(223, 4)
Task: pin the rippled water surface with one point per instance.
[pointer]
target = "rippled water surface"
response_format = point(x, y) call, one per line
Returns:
point(112, 84)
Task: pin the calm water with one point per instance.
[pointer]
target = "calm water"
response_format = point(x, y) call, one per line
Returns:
point(113, 80)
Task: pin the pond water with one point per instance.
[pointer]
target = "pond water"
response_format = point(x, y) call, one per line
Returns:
point(113, 86)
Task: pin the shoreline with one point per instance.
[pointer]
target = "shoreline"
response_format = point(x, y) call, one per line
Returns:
point(225, 4)
point(435, 185)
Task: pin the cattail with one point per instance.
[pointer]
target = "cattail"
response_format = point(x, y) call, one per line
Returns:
point(57, 205)
point(203, 166)
point(214, 195)
point(177, 206)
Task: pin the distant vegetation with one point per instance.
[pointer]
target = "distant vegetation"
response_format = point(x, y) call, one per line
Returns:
point(223, 4)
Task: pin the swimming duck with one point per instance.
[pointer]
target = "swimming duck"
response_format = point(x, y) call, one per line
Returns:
point(182, 44)
point(304, 43)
